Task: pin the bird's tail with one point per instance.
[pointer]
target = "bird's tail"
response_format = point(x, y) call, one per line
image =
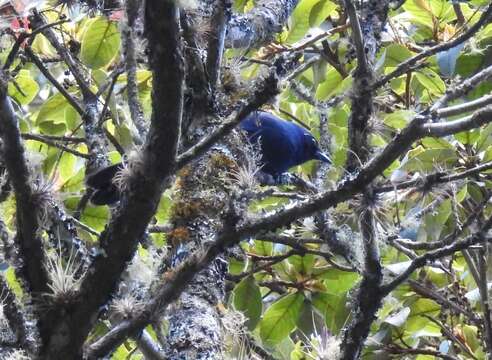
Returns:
point(106, 192)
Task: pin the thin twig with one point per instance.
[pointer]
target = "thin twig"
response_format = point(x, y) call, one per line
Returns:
point(405, 66)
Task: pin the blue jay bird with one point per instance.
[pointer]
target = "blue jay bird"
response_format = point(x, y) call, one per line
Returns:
point(283, 145)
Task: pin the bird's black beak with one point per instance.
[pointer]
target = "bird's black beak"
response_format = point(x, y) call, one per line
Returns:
point(319, 155)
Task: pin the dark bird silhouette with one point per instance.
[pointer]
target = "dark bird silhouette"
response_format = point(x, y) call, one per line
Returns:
point(283, 145)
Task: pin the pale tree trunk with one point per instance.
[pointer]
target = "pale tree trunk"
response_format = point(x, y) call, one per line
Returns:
point(195, 328)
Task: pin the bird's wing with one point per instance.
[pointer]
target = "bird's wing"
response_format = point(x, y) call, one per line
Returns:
point(278, 149)
point(252, 125)
point(104, 178)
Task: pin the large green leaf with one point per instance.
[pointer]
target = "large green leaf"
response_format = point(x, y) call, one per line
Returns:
point(300, 19)
point(56, 115)
point(320, 12)
point(247, 299)
point(281, 318)
point(100, 42)
point(399, 119)
point(431, 81)
point(29, 88)
point(395, 54)
point(330, 85)
point(334, 309)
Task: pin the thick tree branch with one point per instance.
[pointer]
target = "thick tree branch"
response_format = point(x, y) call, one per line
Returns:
point(477, 119)
point(220, 17)
point(129, 45)
point(362, 97)
point(138, 205)
point(28, 241)
point(16, 318)
point(368, 298)
point(464, 107)
point(258, 26)
point(463, 88)
point(149, 348)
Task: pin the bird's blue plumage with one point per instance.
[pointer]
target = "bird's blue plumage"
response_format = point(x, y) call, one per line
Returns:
point(284, 144)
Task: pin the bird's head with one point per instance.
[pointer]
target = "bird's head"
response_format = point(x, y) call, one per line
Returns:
point(311, 150)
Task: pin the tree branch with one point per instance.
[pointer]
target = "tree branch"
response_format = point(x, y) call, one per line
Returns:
point(118, 242)
point(463, 88)
point(16, 319)
point(258, 25)
point(128, 33)
point(29, 243)
point(50, 142)
point(407, 64)
point(465, 107)
point(431, 180)
point(215, 47)
point(437, 254)
point(177, 280)
point(95, 140)
point(473, 121)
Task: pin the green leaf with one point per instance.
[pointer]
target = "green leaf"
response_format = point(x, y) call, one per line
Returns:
point(247, 299)
point(13, 283)
point(320, 12)
point(419, 12)
point(27, 84)
point(299, 20)
point(75, 182)
point(399, 318)
point(264, 248)
point(334, 309)
point(425, 160)
point(399, 119)
point(95, 217)
point(395, 54)
point(66, 165)
point(281, 318)
point(303, 264)
point(330, 85)
point(56, 115)
point(485, 138)
point(431, 81)
point(164, 209)
point(100, 43)
point(436, 143)
point(468, 137)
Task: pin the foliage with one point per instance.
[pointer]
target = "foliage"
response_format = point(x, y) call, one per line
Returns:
point(296, 303)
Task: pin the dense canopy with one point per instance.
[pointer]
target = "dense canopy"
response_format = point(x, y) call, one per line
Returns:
point(382, 253)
